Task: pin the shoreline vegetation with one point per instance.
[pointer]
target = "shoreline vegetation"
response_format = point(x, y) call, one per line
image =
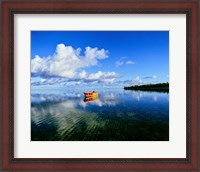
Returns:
point(160, 87)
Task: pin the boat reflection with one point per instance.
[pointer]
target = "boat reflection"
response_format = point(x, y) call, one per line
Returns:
point(92, 98)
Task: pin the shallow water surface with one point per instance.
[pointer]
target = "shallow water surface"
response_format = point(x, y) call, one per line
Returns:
point(117, 115)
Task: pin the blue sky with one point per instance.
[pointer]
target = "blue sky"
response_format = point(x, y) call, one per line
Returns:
point(110, 58)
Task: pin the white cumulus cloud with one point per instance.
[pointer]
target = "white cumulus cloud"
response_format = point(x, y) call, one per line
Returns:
point(67, 67)
point(81, 78)
point(66, 61)
point(103, 76)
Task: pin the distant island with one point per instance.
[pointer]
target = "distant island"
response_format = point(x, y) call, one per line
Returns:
point(163, 87)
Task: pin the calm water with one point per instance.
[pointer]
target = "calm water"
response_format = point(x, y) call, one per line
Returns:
point(117, 115)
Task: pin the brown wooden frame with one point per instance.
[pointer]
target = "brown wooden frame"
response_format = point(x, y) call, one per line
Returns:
point(11, 7)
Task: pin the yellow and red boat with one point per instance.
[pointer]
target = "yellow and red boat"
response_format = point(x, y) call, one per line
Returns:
point(91, 94)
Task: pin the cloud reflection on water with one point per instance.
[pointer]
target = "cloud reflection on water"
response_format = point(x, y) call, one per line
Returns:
point(105, 98)
point(63, 115)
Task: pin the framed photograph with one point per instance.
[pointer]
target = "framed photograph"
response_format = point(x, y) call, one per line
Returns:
point(95, 85)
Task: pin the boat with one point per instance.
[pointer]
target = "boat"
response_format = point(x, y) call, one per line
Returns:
point(91, 94)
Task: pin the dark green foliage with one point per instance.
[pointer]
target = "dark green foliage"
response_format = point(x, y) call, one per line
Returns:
point(163, 87)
